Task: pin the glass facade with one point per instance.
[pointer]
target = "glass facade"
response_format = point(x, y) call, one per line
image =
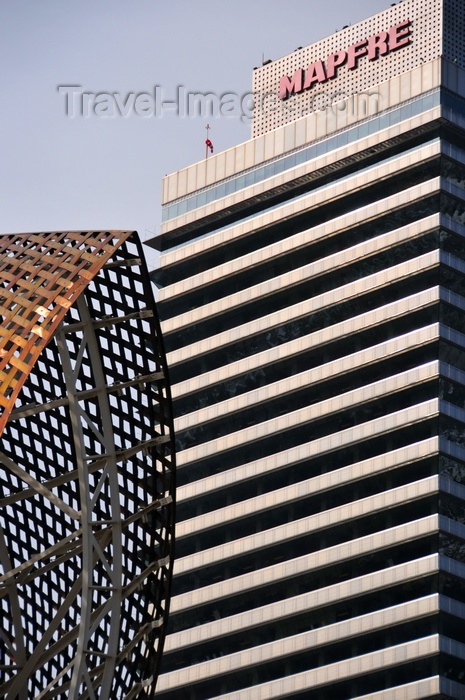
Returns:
point(280, 165)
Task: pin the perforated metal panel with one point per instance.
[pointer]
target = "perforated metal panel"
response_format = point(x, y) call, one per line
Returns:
point(454, 32)
point(86, 469)
point(426, 33)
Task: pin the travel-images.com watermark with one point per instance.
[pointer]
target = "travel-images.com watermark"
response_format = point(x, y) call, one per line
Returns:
point(184, 103)
point(80, 103)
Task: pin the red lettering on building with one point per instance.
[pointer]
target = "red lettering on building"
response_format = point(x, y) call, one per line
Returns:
point(354, 52)
point(333, 63)
point(399, 36)
point(290, 86)
point(315, 74)
point(375, 46)
point(378, 45)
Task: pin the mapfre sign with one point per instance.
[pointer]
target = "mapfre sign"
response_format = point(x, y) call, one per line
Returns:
point(375, 46)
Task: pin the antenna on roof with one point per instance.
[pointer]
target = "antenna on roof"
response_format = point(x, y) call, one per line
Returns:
point(208, 143)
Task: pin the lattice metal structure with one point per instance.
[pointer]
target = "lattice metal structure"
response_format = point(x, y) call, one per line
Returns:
point(86, 469)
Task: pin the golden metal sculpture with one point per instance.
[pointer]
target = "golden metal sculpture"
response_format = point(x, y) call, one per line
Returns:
point(86, 469)
point(42, 275)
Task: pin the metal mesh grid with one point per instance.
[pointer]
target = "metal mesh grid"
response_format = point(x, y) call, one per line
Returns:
point(86, 473)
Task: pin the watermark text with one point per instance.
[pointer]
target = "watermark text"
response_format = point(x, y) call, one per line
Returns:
point(81, 103)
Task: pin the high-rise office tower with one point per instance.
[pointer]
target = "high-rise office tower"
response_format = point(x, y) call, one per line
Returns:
point(312, 294)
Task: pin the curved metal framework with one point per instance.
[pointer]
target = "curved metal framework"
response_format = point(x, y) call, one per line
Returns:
point(86, 469)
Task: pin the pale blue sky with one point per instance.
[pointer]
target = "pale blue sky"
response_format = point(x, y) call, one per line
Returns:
point(58, 172)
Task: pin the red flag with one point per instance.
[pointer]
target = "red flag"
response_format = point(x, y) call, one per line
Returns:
point(209, 145)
